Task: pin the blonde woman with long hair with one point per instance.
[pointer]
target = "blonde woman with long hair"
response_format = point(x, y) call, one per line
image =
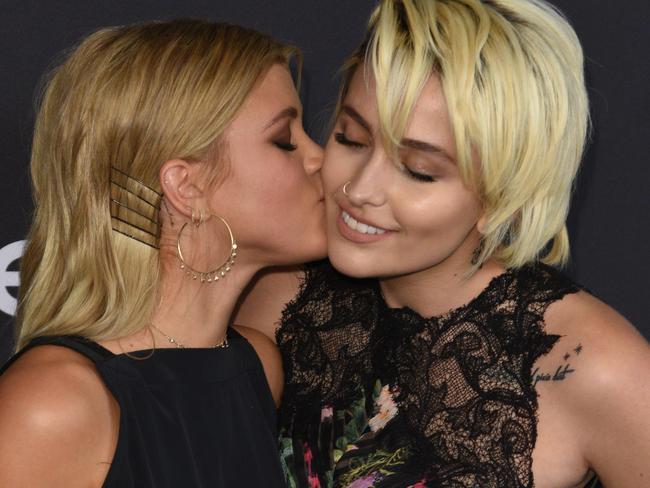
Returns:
point(473, 361)
point(169, 165)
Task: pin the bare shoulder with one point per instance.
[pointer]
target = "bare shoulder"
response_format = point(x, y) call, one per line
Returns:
point(52, 385)
point(601, 348)
point(269, 354)
point(606, 388)
point(58, 421)
point(602, 337)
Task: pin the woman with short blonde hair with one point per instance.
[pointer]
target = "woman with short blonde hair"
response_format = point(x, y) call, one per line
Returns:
point(472, 362)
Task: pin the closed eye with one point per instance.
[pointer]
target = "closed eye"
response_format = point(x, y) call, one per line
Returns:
point(415, 175)
point(342, 139)
point(285, 146)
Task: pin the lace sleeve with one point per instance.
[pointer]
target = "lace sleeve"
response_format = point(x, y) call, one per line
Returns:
point(324, 337)
point(463, 381)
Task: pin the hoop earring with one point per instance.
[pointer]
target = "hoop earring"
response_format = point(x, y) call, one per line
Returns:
point(345, 188)
point(217, 273)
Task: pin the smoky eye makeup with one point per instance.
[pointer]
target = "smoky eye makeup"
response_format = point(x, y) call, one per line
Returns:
point(422, 168)
point(352, 137)
point(344, 140)
point(282, 140)
point(285, 146)
point(416, 175)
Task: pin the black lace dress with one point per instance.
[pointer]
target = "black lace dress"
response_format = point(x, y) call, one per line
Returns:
point(325, 338)
point(444, 401)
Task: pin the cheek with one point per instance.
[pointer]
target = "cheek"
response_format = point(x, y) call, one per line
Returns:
point(270, 180)
point(296, 194)
point(261, 186)
point(278, 216)
point(448, 214)
point(279, 191)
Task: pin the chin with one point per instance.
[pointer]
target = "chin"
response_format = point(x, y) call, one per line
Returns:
point(352, 267)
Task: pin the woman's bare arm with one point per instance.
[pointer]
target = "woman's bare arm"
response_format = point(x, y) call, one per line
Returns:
point(58, 422)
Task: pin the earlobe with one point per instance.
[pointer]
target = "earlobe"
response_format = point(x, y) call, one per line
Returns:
point(177, 180)
point(480, 225)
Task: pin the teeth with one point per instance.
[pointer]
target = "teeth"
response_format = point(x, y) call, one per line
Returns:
point(359, 227)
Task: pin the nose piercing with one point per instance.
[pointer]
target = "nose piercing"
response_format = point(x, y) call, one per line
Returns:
point(345, 188)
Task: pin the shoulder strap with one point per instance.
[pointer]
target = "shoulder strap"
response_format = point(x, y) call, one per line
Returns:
point(545, 284)
point(246, 347)
point(86, 347)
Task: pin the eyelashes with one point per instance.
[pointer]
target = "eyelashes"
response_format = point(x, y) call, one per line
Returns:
point(417, 176)
point(285, 146)
point(342, 139)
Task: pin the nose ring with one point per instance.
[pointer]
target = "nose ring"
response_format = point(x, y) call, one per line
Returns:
point(345, 188)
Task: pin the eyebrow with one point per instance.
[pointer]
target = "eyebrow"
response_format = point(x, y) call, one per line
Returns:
point(410, 143)
point(356, 116)
point(287, 113)
point(426, 147)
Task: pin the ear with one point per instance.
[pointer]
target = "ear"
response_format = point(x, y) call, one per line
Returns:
point(481, 223)
point(179, 182)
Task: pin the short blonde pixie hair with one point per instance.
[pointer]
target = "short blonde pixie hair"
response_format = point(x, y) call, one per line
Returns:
point(512, 72)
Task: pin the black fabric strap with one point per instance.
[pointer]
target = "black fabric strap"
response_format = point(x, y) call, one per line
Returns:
point(90, 349)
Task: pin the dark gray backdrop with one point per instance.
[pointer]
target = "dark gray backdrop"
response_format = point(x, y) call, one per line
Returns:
point(609, 222)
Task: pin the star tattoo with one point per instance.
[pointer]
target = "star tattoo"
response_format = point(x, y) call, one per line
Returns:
point(578, 349)
point(567, 356)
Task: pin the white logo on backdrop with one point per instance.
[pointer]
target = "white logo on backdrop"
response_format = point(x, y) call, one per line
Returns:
point(8, 255)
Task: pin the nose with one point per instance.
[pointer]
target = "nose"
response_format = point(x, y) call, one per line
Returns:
point(368, 186)
point(313, 156)
point(313, 162)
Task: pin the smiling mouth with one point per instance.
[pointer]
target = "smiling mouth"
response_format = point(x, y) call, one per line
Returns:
point(360, 227)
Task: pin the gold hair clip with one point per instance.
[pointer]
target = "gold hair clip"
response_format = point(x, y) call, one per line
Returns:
point(140, 224)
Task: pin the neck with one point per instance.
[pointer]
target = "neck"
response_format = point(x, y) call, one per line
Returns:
point(197, 314)
point(261, 304)
point(437, 290)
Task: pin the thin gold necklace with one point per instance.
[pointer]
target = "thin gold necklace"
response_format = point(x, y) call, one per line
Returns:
point(179, 345)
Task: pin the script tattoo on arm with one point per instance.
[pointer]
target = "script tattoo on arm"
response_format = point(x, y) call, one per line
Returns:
point(561, 372)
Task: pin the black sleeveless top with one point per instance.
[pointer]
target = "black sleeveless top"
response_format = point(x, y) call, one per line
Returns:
point(385, 398)
point(188, 417)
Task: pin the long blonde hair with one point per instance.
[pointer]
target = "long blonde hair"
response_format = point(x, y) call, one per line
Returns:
point(512, 73)
point(126, 100)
